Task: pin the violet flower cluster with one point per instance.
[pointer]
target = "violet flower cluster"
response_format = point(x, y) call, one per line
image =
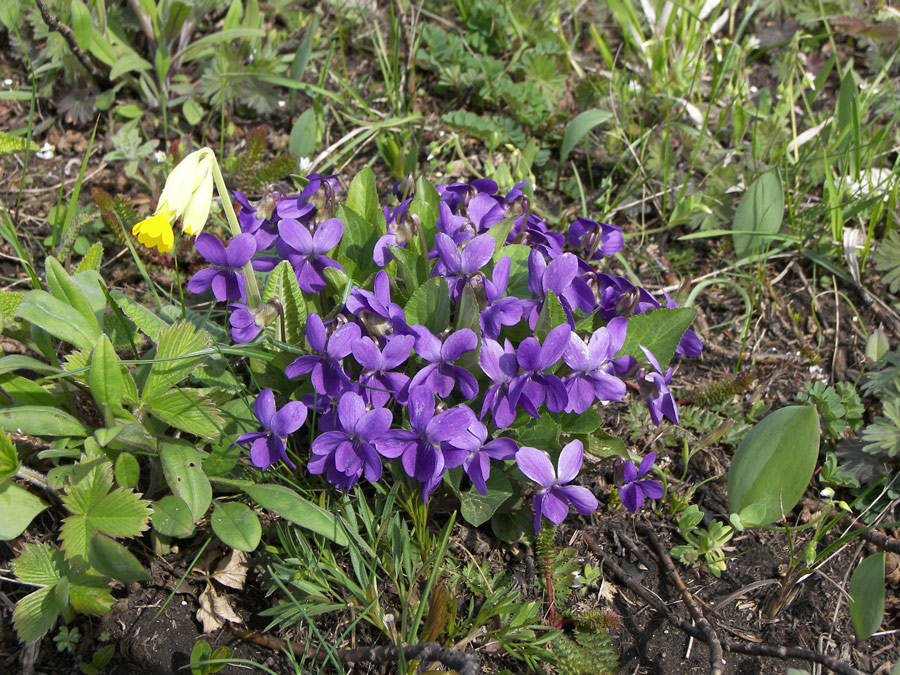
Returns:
point(533, 329)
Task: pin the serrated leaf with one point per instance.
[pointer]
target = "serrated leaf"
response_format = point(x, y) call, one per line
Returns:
point(172, 517)
point(236, 525)
point(760, 213)
point(586, 423)
point(9, 301)
point(41, 421)
point(430, 305)
point(358, 242)
point(867, 596)
point(39, 564)
point(410, 267)
point(109, 557)
point(542, 433)
point(282, 286)
point(35, 614)
point(887, 260)
point(172, 363)
point(291, 506)
point(91, 259)
point(477, 508)
point(9, 458)
point(143, 318)
point(90, 594)
point(184, 474)
point(774, 463)
point(660, 331)
point(120, 513)
point(188, 410)
point(58, 318)
point(63, 288)
point(579, 128)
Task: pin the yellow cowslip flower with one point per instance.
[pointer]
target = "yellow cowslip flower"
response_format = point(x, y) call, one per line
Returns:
point(186, 195)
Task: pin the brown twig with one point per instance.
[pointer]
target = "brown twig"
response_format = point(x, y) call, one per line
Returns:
point(716, 657)
point(58, 26)
point(748, 649)
point(464, 663)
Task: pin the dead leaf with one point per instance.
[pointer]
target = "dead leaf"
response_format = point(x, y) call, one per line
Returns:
point(215, 610)
point(231, 570)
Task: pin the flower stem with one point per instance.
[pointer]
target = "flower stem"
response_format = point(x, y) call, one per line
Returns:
point(253, 296)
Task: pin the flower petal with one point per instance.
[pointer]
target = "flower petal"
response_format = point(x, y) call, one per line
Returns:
point(264, 408)
point(570, 460)
point(240, 250)
point(290, 418)
point(536, 465)
point(327, 236)
point(209, 246)
point(582, 499)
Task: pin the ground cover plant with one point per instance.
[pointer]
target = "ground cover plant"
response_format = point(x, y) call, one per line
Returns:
point(461, 336)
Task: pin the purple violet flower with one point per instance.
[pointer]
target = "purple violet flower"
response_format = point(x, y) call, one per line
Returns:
point(595, 239)
point(458, 266)
point(593, 375)
point(306, 252)
point(474, 453)
point(419, 447)
point(500, 364)
point(262, 220)
point(532, 387)
point(561, 277)
point(328, 376)
point(654, 388)
point(550, 500)
point(350, 451)
point(632, 491)
point(440, 374)
point(225, 277)
point(379, 381)
point(244, 323)
point(268, 446)
point(375, 310)
point(497, 310)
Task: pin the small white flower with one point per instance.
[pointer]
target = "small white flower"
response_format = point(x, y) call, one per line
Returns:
point(8, 82)
point(752, 42)
point(808, 79)
point(46, 152)
point(159, 156)
point(305, 164)
point(281, 104)
point(633, 85)
point(827, 493)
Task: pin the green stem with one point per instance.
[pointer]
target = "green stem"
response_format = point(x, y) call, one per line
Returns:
point(253, 296)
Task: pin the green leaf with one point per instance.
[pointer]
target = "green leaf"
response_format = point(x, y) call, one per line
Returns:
point(867, 596)
point(579, 127)
point(362, 196)
point(518, 269)
point(35, 614)
point(291, 506)
point(172, 364)
point(109, 557)
point(184, 474)
point(10, 144)
point(172, 517)
point(774, 463)
point(19, 507)
point(426, 205)
point(236, 525)
point(40, 564)
point(127, 471)
point(120, 513)
point(410, 267)
point(15, 362)
point(541, 433)
point(41, 421)
point(282, 286)
point(760, 213)
point(23, 391)
point(90, 594)
point(143, 318)
point(63, 288)
point(430, 305)
point(660, 331)
point(58, 318)
point(9, 302)
point(358, 242)
point(9, 458)
point(302, 141)
point(476, 508)
point(551, 316)
point(105, 378)
point(91, 259)
point(604, 445)
point(188, 410)
point(586, 423)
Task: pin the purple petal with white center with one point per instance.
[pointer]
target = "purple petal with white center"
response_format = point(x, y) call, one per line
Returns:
point(326, 443)
point(536, 465)
point(570, 460)
point(240, 250)
point(448, 252)
point(327, 236)
point(211, 248)
point(420, 407)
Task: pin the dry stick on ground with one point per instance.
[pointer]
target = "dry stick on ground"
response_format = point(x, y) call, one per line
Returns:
point(748, 649)
point(716, 657)
point(55, 24)
point(464, 663)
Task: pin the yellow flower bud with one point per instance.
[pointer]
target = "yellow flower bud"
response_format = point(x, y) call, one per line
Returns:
point(156, 230)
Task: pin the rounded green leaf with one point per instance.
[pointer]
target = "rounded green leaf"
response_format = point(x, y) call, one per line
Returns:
point(236, 525)
point(184, 474)
point(579, 127)
point(109, 557)
point(18, 507)
point(759, 215)
point(127, 470)
point(774, 463)
point(172, 517)
point(867, 596)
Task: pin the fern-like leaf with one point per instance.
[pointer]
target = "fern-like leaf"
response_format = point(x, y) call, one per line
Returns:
point(91, 259)
point(887, 261)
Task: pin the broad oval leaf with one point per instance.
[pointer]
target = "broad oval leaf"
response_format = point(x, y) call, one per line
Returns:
point(430, 305)
point(236, 525)
point(759, 214)
point(579, 127)
point(41, 421)
point(867, 596)
point(775, 462)
point(362, 196)
point(184, 474)
point(62, 287)
point(57, 318)
point(659, 330)
point(19, 507)
point(291, 506)
point(172, 517)
point(109, 557)
point(127, 470)
point(9, 458)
